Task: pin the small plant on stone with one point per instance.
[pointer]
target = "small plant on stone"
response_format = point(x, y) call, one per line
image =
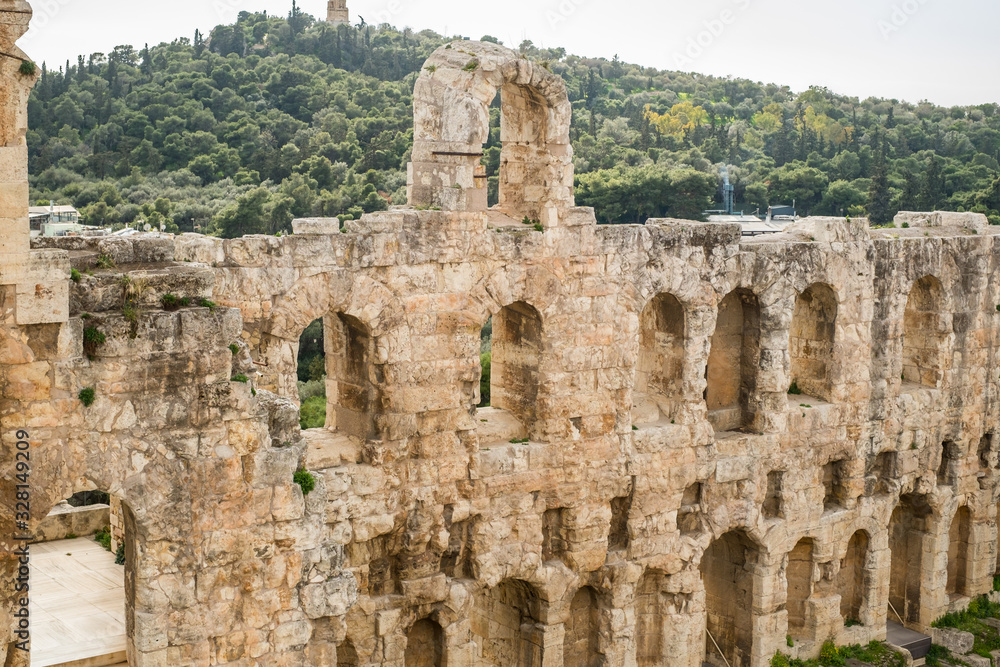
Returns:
point(103, 537)
point(906, 225)
point(207, 303)
point(305, 480)
point(240, 378)
point(71, 536)
point(120, 554)
point(93, 338)
point(74, 275)
point(234, 348)
point(794, 389)
point(538, 227)
point(634, 427)
point(471, 66)
point(27, 68)
point(105, 261)
point(170, 302)
point(788, 641)
point(87, 396)
point(522, 441)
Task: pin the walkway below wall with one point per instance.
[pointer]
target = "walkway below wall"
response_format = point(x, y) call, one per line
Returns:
point(77, 605)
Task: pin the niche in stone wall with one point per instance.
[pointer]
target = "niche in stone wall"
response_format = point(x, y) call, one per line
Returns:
point(580, 641)
point(814, 327)
point(689, 517)
point(352, 396)
point(835, 488)
point(650, 618)
point(347, 655)
point(987, 454)
point(727, 574)
point(424, 645)
point(799, 576)
point(882, 473)
point(505, 624)
point(510, 357)
point(951, 454)
point(773, 507)
point(660, 371)
point(375, 564)
point(852, 581)
point(554, 534)
point(926, 335)
point(618, 535)
point(958, 553)
point(457, 560)
point(907, 532)
point(733, 362)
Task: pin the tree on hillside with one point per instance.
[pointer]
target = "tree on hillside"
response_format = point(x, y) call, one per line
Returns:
point(879, 205)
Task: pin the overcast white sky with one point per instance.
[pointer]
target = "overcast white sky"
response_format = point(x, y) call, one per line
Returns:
point(942, 50)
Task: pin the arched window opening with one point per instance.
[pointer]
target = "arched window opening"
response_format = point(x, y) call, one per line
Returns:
point(650, 620)
point(505, 622)
point(907, 530)
point(727, 574)
point(733, 362)
point(926, 333)
point(660, 372)
point(311, 373)
point(424, 645)
point(774, 507)
point(83, 569)
point(814, 327)
point(799, 575)
point(958, 553)
point(580, 642)
point(852, 580)
point(510, 357)
point(951, 455)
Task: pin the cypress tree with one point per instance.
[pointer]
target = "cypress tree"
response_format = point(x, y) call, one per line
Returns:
point(879, 202)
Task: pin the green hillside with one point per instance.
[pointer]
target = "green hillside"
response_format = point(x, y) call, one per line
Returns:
point(279, 117)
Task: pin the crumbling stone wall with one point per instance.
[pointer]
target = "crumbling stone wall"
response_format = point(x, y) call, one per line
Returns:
point(442, 529)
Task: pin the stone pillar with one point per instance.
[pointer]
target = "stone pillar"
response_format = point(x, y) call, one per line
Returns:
point(117, 523)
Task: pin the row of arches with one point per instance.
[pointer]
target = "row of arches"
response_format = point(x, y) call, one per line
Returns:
point(731, 373)
point(509, 621)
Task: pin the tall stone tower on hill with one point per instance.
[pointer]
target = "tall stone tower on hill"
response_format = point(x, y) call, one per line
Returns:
point(337, 12)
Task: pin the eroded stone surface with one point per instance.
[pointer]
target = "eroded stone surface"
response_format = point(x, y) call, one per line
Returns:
point(601, 513)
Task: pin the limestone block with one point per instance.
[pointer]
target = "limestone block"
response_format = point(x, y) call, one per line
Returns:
point(956, 641)
point(973, 660)
point(324, 226)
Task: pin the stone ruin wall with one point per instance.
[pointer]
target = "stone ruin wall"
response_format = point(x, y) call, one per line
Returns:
point(660, 477)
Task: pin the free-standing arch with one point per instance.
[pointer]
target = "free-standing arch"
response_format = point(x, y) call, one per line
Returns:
point(451, 124)
point(814, 328)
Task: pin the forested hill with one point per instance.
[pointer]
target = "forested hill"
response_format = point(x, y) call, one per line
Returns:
point(279, 117)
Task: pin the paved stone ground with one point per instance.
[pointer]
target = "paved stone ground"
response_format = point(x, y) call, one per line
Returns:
point(77, 602)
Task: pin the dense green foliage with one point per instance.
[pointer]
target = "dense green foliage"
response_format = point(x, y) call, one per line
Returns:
point(305, 480)
point(875, 653)
point(987, 637)
point(278, 117)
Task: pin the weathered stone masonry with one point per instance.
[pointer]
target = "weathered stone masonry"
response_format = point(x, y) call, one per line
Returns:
point(667, 478)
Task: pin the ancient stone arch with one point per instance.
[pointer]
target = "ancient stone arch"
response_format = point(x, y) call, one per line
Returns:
point(451, 104)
